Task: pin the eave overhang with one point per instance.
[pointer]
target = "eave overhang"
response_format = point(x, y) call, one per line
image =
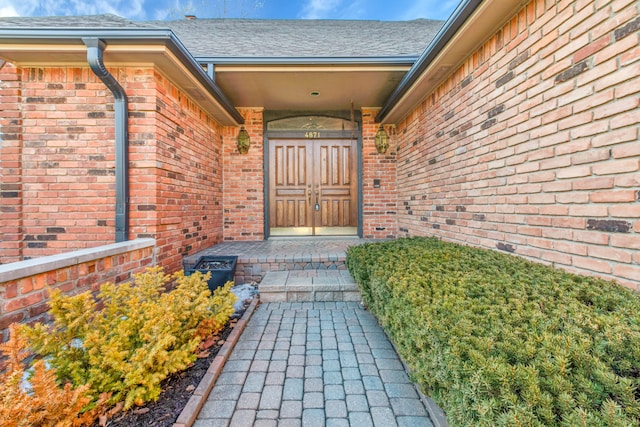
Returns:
point(131, 47)
point(287, 83)
point(469, 26)
point(294, 60)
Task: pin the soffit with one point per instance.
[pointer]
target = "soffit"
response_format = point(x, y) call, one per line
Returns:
point(155, 53)
point(289, 87)
point(488, 17)
point(274, 87)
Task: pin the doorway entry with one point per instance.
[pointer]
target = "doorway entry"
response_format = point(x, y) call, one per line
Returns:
point(313, 187)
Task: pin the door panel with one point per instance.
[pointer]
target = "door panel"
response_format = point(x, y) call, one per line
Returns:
point(289, 178)
point(337, 189)
point(304, 174)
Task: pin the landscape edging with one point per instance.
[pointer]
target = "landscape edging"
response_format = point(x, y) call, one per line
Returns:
point(191, 410)
point(437, 415)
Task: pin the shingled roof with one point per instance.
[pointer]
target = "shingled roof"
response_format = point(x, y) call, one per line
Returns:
point(87, 21)
point(266, 38)
point(302, 38)
point(350, 62)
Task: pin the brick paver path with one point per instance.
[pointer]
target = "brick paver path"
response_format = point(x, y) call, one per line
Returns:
point(313, 364)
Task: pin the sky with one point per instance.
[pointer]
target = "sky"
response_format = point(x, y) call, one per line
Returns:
point(141, 10)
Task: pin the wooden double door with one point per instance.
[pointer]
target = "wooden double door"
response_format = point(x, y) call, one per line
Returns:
point(313, 187)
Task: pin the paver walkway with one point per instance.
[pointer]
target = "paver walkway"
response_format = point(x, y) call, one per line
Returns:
point(313, 364)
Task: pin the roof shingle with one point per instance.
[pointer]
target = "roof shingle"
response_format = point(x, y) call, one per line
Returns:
point(86, 21)
point(267, 38)
point(303, 38)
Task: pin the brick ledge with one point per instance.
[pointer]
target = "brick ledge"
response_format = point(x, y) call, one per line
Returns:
point(31, 267)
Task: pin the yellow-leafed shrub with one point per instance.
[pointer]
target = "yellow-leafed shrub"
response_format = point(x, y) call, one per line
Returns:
point(46, 404)
point(221, 308)
point(142, 334)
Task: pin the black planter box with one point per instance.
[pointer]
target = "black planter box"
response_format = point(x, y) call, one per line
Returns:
point(222, 269)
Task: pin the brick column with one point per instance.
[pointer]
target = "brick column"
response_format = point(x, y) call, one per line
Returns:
point(379, 205)
point(243, 194)
point(11, 233)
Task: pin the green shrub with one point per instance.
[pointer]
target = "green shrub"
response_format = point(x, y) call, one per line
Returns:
point(497, 340)
point(142, 334)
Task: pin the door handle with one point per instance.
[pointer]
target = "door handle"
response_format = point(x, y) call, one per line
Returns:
point(309, 195)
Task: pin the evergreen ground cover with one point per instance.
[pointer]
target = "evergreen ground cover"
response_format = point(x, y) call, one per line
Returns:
point(497, 340)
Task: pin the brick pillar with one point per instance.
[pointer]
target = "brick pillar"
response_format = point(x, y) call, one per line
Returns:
point(10, 164)
point(379, 204)
point(243, 194)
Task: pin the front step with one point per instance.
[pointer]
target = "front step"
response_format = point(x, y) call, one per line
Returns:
point(308, 285)
point(255, 269)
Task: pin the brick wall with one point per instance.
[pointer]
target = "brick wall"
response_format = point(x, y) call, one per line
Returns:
point(177, 197)
point(68, 162)
point(10, 164)
point(531, 146)
point(25, 298)
point(244, 181)
point(60, 132)
point(379, 206)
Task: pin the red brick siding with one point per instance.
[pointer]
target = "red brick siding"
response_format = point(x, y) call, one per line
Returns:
point(531, 146)
point(244, 181)
point(26, 299)
point(10, 165)
point(67, 161)
point(379, 205)
point(182, 194)
point(67, 172)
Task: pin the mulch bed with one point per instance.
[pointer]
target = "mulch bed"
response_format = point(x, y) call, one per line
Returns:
point(176, 391)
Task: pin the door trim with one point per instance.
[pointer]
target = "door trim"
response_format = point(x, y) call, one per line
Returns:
point(269, 116)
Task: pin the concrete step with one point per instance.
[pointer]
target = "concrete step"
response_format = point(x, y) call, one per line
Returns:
point(308, 285)
point(254, 269)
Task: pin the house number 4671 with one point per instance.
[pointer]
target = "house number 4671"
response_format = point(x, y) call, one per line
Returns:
point(312, 135)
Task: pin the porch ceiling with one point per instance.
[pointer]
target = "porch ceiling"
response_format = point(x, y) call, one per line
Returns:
point(286, 87)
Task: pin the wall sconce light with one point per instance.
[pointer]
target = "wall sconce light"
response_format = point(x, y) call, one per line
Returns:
point(243, 141)
point(381, 141)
